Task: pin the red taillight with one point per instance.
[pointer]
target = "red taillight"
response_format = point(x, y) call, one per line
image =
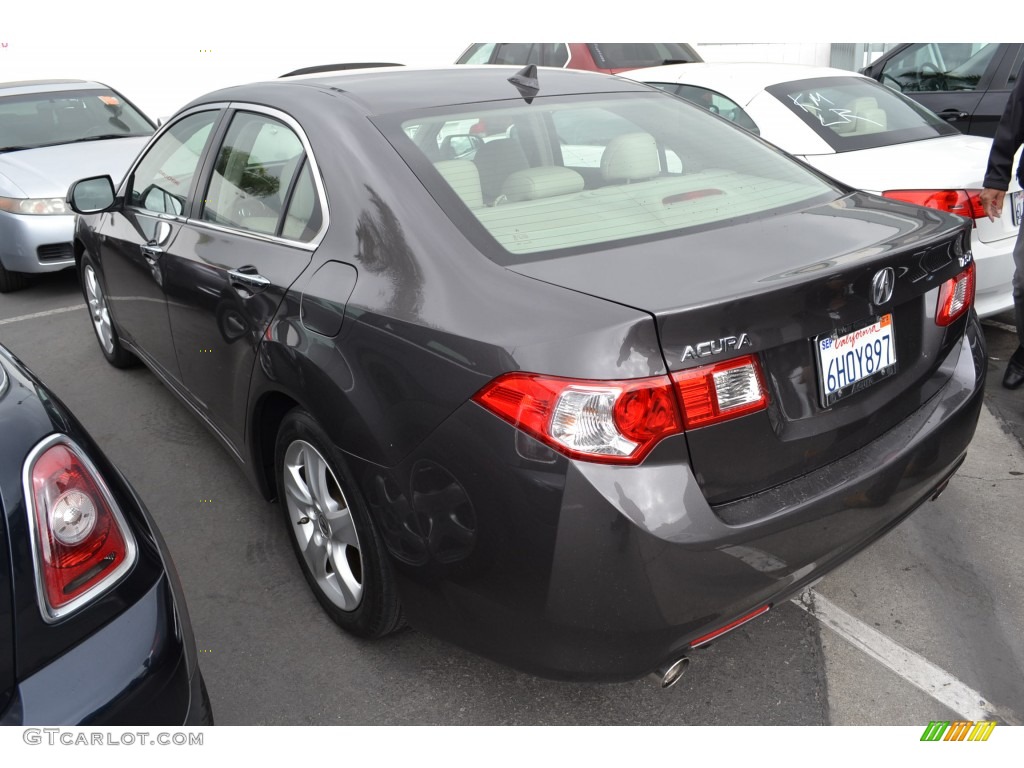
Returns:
point(619, 422)
point(81, 541)
point(606, 421)
point(955, 297)
point(964, 202)
point(721, 391)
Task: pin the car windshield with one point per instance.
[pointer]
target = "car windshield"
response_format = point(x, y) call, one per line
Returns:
point(857, 113)
point(566, 174)
point(35, 120)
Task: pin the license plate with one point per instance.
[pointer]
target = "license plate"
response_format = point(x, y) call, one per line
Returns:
point(849, 362)
point(1017, 206)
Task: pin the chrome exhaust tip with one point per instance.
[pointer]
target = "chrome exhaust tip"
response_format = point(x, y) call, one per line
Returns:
point(668, 675)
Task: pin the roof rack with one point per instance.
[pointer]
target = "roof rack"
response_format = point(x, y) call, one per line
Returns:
point(339, 67)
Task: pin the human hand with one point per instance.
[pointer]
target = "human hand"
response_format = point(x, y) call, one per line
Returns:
point(992, 202)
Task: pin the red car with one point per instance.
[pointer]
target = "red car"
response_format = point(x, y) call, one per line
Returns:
point(596, 57)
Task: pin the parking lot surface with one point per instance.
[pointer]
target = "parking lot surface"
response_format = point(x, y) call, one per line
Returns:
point(944, 587)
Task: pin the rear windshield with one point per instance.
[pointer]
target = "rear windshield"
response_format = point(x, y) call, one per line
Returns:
point(568, 174)
point(636, 55)
point(857, 113)
point(35, 120)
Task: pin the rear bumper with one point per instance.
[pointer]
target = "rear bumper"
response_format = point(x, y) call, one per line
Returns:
point(993, 292)
point(581, 571)
point(36, 243)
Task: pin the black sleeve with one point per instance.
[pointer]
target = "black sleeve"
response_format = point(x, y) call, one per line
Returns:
point(1009, 136)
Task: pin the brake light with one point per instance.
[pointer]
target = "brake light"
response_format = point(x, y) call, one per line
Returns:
point(620, 422)
point(616, 422)
point(956, 296)
point(81, 543)
point(721, 391)
point(964, 202)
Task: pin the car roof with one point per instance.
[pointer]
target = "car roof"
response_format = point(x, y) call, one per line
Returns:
point(391, 89)
point(741, 81)
point(45, 86)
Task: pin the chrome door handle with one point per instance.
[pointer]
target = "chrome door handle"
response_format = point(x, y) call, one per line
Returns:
point(249, 276)
point(151, 250)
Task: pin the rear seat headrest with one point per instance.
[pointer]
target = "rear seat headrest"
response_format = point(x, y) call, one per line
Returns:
point(631, 157)
point(545, 181)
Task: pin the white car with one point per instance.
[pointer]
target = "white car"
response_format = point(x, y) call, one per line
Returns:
point(866, 136)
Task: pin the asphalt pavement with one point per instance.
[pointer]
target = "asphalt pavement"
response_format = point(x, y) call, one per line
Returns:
point(943, 588)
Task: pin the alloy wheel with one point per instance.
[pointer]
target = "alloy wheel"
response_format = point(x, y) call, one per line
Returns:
point(98, 311)
point(323, 525)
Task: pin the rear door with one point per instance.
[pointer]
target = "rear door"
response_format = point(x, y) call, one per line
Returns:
point(254, 228)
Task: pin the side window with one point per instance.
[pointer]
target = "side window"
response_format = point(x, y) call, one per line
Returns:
point(481, 54)
point(303, 217)
point(253, 173)
point(164, 176)
point(939, 67)
point(554, 54)
point(1016, 69)
point(719, 104)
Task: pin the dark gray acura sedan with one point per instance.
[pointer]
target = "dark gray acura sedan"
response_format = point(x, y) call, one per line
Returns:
point(551, 364)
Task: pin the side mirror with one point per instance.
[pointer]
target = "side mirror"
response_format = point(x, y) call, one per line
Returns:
point(92, 195)
point(461, 146)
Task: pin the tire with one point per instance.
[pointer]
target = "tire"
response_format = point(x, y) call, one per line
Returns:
point(11, 281)
point(102, 321)
point(335, 540)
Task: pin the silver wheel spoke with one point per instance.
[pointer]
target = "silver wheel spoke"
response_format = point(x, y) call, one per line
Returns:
point(343, 530)
point(343, 579)
point(318, 482)
point(297, 489)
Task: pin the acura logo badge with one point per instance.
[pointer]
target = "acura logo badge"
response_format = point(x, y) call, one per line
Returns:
point(882, 285)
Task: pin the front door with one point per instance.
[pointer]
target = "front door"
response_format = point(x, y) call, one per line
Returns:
point(135, 237)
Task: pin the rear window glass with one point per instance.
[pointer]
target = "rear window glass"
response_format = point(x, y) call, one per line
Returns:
point(574, 173)
point(61, 117)
point(858, 113)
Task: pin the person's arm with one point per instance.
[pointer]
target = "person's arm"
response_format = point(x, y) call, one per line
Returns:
point(1009, 136)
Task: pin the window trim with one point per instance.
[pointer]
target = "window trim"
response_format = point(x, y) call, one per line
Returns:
point(313, 243)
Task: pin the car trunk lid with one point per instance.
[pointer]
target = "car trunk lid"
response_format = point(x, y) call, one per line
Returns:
point(772, 287)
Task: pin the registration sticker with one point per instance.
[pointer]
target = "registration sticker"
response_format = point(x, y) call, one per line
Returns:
point(110, 101)
point(849, 362)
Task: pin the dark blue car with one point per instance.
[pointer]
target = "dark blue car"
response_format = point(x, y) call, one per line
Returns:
point(93, 625)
